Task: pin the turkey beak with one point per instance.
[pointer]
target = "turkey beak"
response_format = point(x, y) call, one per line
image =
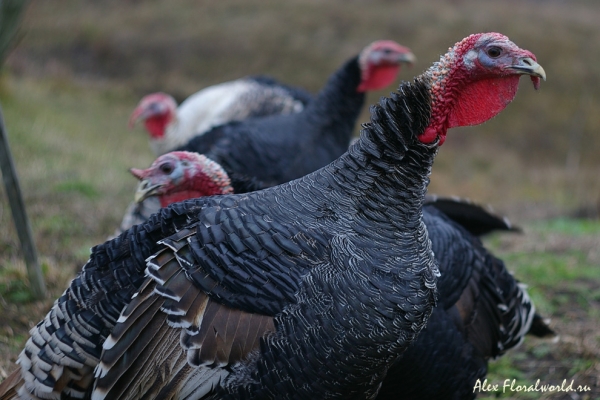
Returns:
point(146, 189)
point(144, 112)
point(408, 58)
point(137, 114)
point(528, 66)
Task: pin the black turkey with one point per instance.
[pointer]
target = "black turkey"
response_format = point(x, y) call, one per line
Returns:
point(482, 310)
point(310, 289)
point(279, 148)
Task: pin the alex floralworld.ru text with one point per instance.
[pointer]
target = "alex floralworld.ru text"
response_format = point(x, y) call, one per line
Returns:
point(512, 386)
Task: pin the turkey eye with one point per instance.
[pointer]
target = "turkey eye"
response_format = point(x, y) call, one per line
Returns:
point(494, 52)
point(166, 168)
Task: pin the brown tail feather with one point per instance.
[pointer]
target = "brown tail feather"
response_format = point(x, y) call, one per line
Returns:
point(9, 387)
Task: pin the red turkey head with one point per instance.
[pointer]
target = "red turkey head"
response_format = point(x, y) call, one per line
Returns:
point(157, 110)
point(181, 175)
point(475, 80)
point(380, 63)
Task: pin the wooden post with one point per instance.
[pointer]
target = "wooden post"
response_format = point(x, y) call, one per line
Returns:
point(11, 184)
point(11, 12)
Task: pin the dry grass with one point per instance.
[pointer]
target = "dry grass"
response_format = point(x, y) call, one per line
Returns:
point(184, 45)
point(81, 67)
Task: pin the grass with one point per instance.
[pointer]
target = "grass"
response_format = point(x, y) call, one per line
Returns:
point(558, 259)
point(188, 45)
point(58, 134)
point(81, 67)
point(74, 187)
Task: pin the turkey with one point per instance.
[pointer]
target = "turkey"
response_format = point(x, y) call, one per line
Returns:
point(177, 176)
point(170, 126)
point(182, 175)
point(310, 289)
point(279, 148)
point(316, 136)
point(482, 310)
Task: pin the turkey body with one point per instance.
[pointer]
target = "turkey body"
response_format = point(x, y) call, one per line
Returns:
point(482, 312)
point(287, 256)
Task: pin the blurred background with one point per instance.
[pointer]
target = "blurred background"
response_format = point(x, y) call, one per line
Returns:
point(80, 67)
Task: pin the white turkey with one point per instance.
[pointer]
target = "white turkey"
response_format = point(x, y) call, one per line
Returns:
point(170, 126)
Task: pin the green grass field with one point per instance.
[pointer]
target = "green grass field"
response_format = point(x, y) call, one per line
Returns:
point(80, 68)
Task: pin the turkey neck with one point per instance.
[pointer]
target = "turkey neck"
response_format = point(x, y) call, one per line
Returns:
point(378, 288)
point(395, 166)
point(338, 104)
